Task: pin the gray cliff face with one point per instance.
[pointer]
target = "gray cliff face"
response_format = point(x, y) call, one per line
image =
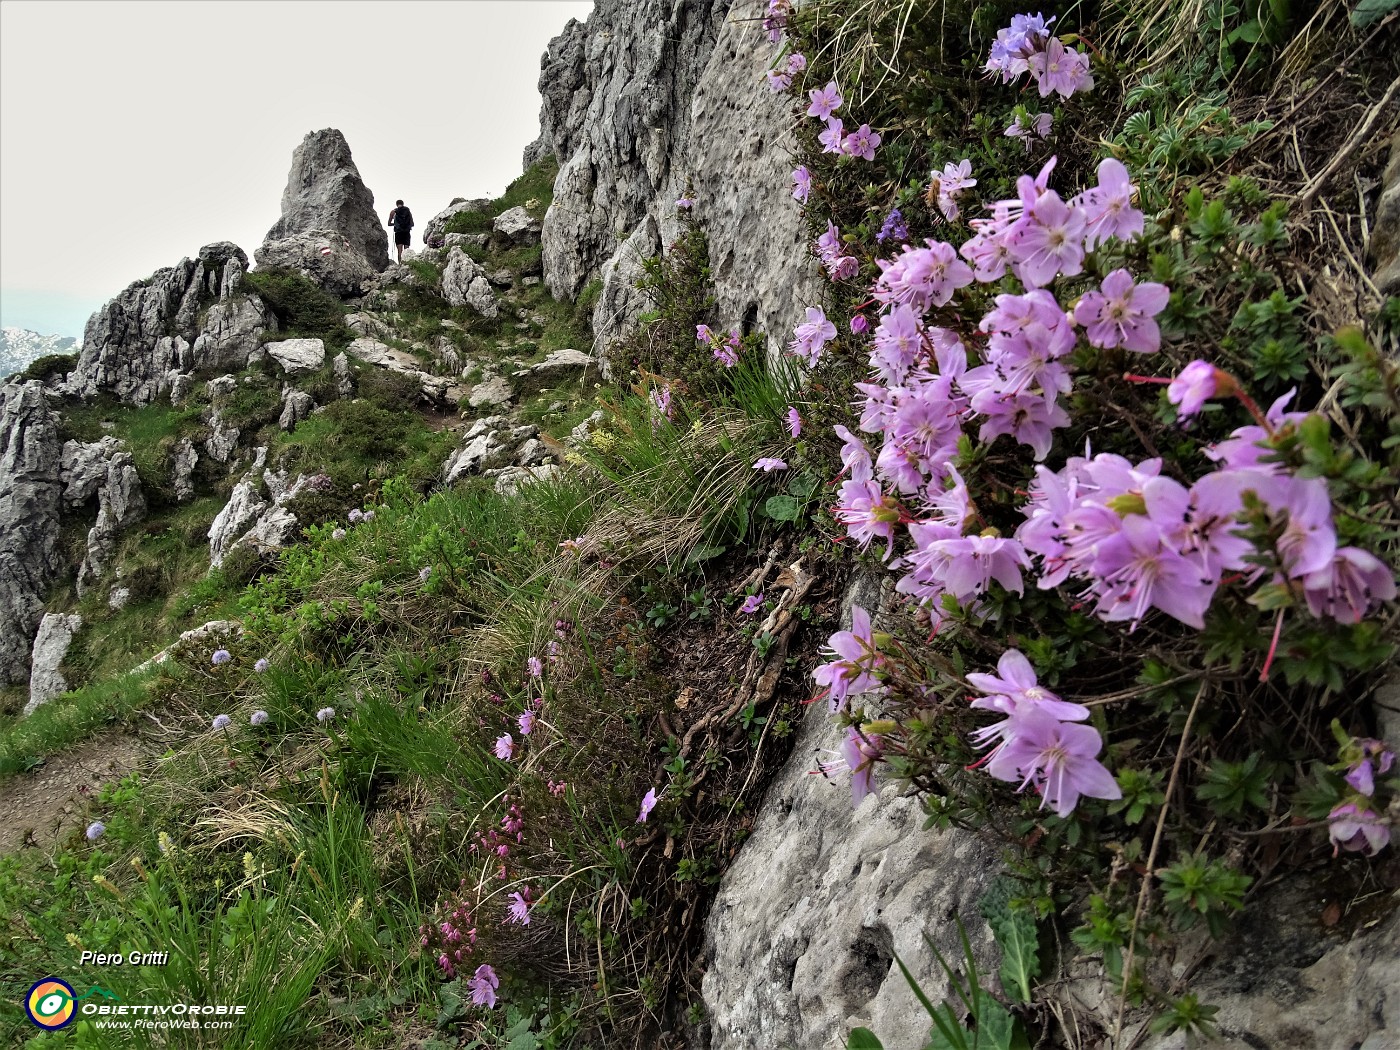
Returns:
point(327, 205)
point(639, 101)
point(182, 318)
point(30, 496)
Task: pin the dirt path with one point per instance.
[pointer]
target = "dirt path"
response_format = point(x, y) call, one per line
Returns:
point(44, 805)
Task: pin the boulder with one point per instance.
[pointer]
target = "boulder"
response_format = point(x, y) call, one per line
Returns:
point(323, 257)
point(56, 632)
point(512, 479)
point(344, 379)
point(517, 226)
point(801, 938)
point(121, 504)
point(180, 383)
point(491, 393)
point(222, 442)
point(83, 468)
point(1383, 248)
point(231, 332)
point(363, 322)
point(463, 240)
point(222, 386)
point(481, 298)
point(297, 406)
point(457, 277)
point(182, 464)
point(31, 493)
point(562, 364)
point(118, 598)
point(433, 235)
point(297, 355)
point(245, 505)
point(488, 443)
point(326, 201)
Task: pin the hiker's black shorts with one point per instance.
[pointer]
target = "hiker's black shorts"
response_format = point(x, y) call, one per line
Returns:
point(401, 236)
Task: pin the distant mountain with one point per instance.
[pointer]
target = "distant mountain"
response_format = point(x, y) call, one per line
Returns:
point(20, 346)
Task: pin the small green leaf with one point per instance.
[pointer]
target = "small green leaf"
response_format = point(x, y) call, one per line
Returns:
point(1014, 929)
point(783, 508)
point(1370, 11)
point(864, 1039)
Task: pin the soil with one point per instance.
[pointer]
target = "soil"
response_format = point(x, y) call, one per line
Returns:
point(45, 805)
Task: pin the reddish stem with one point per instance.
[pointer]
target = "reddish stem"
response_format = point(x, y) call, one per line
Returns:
point(1273, 648)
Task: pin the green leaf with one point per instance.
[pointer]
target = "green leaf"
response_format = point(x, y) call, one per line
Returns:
point(1370, 11)
point(864, 1039)
point(783, 508)
point(1014, 929)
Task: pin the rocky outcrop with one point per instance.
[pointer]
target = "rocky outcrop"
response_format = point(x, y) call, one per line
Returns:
point(296, 406)
point(490, 446)
point(517, 226)
point(639, 102)
point(801, 938)
point(30, 496)
point(297, 355)
point(433, 236)
point(121, 504)
point(256, 514)
point(184, 317)
point(329, 229)
point(182, 464)
point(434, 388)
point(457, 276)
point(56, 632)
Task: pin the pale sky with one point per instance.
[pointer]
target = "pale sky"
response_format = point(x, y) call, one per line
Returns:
point(133, 133)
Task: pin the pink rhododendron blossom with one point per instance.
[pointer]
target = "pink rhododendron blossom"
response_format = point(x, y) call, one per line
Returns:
point(778, 80)
point(519, 910)
point(1197, 383)
point(852, 661)
point(801, 183)
point(1059, 758)
point(769, 464)
point(1038, 128)
point(867, 513)
point(833, 139)
point(861, 143)
point(1049, 241)
point(752, 604)
point(1121, 313)
point(861, 752)
point(825, 101)
point(921, 277)
point(1108, 207)
point(1350, 586)
point(648, 804)
point(794, 421)
point(483, 985)
point(812, 336)
point(526, 721)
point(1355, 828)
point(703, 334)
point(1026, 35)
point(505, 747)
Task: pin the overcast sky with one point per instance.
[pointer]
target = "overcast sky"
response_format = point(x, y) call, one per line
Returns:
point(133, 133)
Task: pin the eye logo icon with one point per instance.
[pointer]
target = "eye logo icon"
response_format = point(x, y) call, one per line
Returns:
point(50, 1004)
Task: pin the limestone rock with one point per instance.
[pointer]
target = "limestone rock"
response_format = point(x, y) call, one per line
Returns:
point(56, 632)
point(512, 479)
point(222, 386)
point(344, 379)
point(501, 278)
point(183, 462)
point(463, 240)
point(488, 443)
point(326, 201)
point(297, 355)
point(562, 364)
point(245, 505)
point(30, 497)
point(633, 103)
point(118, 598)
point(222, 442)
point(364, 323)
point(121, 504)
point(323, 257)
point(296, 407)
point(180, 383)
point(83, 469)
point(517, 226)
point(182, 318)
point(481, 298)
point(801, 938)
point(433, 236)
point(457, 277)
point(491, 393)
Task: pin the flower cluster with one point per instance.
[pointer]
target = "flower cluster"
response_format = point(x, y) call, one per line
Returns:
point(1039, 742)
point(453, 939)
point(1355, 824)
point(1026, 46)
point(780, 77)
point(947, 186)
point(726, 351)
point(776, 19)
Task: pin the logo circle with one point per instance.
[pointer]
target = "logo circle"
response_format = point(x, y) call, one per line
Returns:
point(50, 1004)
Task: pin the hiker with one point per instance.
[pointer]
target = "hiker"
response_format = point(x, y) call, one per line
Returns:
point(401, 219)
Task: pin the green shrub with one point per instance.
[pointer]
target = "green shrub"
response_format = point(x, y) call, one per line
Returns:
point(303, 309)
point(43, 368)
point(393, 391)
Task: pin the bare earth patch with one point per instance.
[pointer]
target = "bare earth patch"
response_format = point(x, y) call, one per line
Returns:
point(42, 806)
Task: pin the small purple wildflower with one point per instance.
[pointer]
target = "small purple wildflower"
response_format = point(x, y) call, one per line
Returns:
point(769, 464)
point(262, 665)
point(535, 667)
point(520, 908)
point(258, 718)
point(483, 985)
point(221, 721)
point(221, 656)
point(337, 534)
point(526, 721)
point(794, 421)
point(96, 830)
point(752, 604)
point(894, 228)
point(325, 714)
point(648, 804)
point(801, 183)
point(505, 747)
point(825, 101)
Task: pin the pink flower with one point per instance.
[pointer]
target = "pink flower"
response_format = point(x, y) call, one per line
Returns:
point(534, 667)
point(1121, 313)
point(1349, 586)
point(824, 101)
point(854, 659)
point(1108, 207)
point(1059, 758)
point(797, 62)
point(769, 464)
point(1355, 828)
point(861, 143)
point(794, 421)
point(1049, 240)
point(861, 752)
point(812, 336)
point(833, 139)
point(801, 183)
point(752, 604)
point(1060, 69)
point(519, 908)
point(483, 985)
point(648, 804)
point(778, 80)
point(505, 747)
point(1198, 383)
point(526, 721)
